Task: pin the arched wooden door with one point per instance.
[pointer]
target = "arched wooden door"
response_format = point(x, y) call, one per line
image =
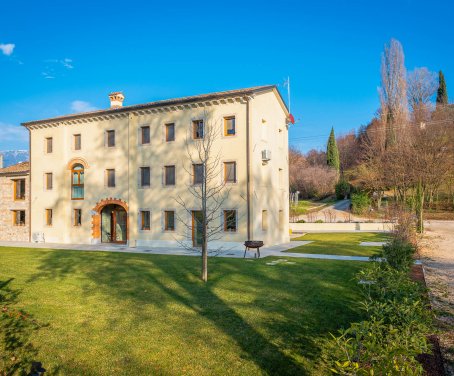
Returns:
point(114, 224)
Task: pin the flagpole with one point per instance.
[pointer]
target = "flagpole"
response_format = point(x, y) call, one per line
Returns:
point(288, 93)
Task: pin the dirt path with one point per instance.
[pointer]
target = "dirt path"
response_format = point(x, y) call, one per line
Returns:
point(437, 254)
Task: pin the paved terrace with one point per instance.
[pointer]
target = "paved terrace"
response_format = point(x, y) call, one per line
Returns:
point(277, 250)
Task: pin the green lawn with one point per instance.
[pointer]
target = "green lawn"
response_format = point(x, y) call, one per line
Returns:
point(345, 243)
point(132, 314)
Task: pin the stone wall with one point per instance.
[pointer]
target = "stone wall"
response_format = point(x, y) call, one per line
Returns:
point(8, 231)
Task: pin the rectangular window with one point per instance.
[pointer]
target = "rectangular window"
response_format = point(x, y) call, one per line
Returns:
point(145, 177)
point(230, 172)
point(281, 220)
point(264, 220)
point(170, 132)
point(145, 220)
point(229, 126)
point(49, 145)
point(49, 180)
point(19, 217)
point(230, 221)
point(169, 175)
point(197, 173)
point(145, 135)
point(77, 217)
point(110, 138)
point(77, 142)
point(48, 213)
point(19, 189)
point(197, 129)
point(110, 177)
point(169, 220)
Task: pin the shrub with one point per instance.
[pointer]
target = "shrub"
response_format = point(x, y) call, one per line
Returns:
point(342, 189)
point(394, 332)
point(319, 221)
point(399, 254)
point(360, 202)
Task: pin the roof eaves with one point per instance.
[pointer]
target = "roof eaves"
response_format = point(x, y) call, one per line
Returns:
point(161, 103)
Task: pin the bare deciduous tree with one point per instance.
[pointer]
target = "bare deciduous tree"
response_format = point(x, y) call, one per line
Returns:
point(207, 187)
point(421, 86)
point(393, 91)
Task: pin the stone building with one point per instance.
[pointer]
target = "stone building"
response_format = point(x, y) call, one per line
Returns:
point(15, 202)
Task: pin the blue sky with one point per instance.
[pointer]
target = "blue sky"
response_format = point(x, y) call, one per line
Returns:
point(67, 56)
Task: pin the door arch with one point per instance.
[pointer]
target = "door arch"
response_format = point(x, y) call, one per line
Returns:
point(110, 222)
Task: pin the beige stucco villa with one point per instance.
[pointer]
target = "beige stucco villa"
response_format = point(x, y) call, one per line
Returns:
point(112, 175)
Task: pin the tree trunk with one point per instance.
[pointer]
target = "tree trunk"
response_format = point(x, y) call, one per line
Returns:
point(419, 208)
point(204, 262)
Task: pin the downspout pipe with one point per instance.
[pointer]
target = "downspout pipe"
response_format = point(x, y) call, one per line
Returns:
point(248, 171)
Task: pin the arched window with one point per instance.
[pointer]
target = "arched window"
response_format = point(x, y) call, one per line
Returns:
point(77, 182)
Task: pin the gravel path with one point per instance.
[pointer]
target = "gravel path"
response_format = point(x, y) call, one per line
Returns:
point(437, 254)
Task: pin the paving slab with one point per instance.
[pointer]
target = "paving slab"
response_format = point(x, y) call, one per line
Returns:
point(372, 244)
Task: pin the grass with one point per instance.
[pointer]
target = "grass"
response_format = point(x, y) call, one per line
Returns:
point(346, 244)
point(134, 314)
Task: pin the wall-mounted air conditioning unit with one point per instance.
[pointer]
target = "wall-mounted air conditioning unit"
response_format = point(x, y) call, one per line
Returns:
point(266, 155)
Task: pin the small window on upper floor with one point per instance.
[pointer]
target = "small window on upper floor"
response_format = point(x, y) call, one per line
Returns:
point(169, 175)
point(170, 132)
point(144, 177)
point(229, 126)
point(145, 135)
point(77, 142)
point(110, 178)
point(49, 145)
point(110, 138)
point(197, 129)
point(48, 180)
point(197, 173)
point(230, 172)
point(19, 189)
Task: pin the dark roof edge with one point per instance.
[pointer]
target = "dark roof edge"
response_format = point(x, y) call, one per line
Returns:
point(161, 103)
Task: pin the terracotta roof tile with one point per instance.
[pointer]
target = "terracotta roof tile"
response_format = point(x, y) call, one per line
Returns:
point(23, 167)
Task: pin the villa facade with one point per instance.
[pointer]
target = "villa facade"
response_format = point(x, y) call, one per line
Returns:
point(112, 176)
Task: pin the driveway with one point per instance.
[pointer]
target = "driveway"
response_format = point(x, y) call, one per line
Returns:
point(437, 254)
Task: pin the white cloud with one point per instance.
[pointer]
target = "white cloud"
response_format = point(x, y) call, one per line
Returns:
point(47, 76)
point(7, 49)
point(67, 63)
point(9, 132)
point(82, 106)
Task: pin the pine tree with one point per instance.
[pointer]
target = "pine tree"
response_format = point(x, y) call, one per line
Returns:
point(332, 152)
point(442, 92)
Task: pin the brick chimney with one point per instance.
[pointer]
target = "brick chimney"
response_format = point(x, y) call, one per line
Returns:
point(116, 99)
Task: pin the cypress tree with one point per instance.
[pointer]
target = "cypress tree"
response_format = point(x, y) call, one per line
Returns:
point(332, 152)
point(442, 92)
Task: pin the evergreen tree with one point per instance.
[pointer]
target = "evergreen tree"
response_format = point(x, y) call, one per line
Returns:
point(332, 152)
point(442, 92)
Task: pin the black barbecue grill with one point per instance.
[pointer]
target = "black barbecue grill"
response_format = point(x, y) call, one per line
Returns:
point(251, 245)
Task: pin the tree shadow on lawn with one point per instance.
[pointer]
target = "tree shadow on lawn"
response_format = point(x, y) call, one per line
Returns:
point(17, 352)
point(253, 287)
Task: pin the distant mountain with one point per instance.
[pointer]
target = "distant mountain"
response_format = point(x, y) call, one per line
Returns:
point(11, 157)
